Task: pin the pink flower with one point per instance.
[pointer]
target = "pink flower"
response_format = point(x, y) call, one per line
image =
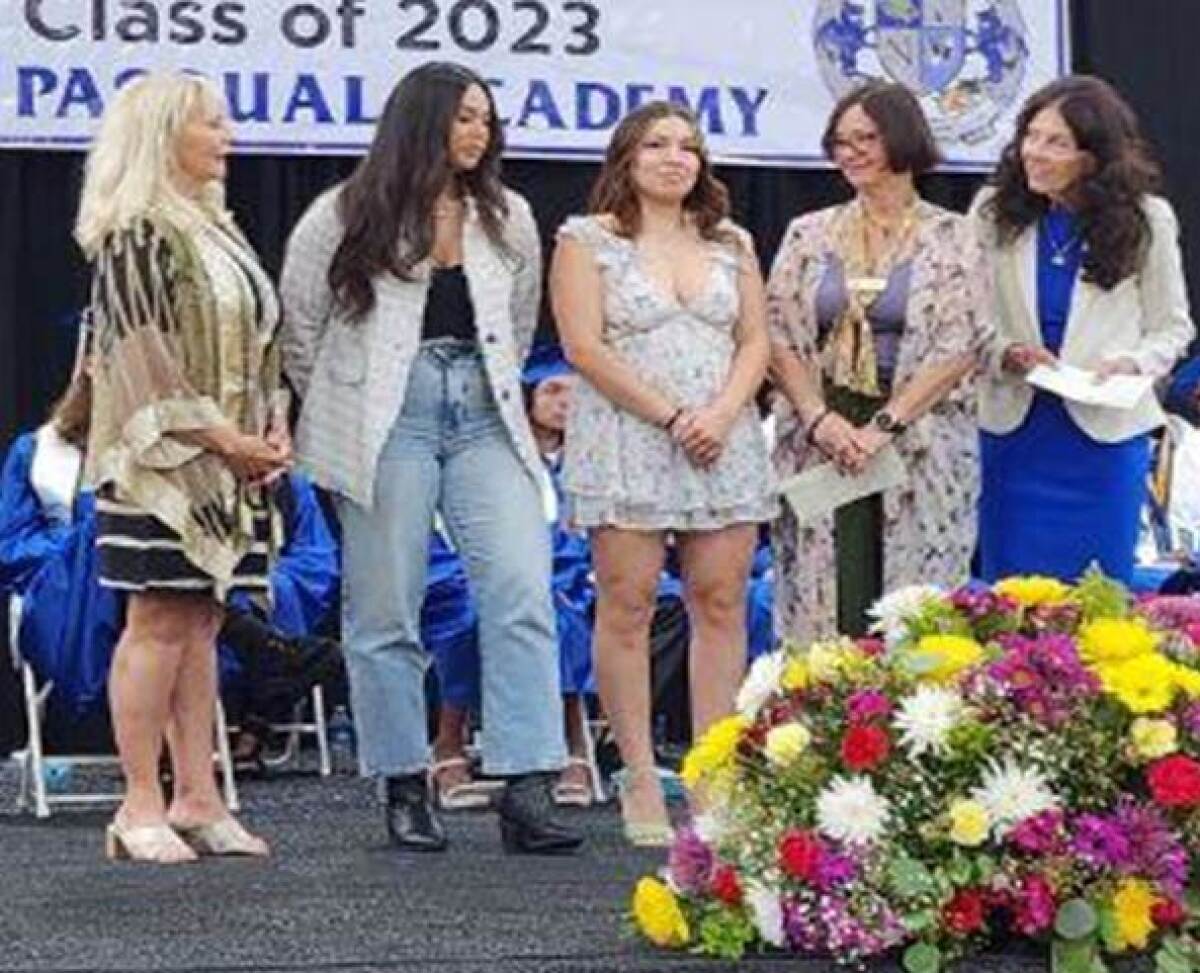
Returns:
point(1033, 905)
point(868, 704)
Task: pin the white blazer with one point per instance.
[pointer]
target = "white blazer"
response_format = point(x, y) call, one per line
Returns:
point(1145, 318)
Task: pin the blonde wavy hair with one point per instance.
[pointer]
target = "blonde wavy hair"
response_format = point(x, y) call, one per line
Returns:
point(132, 169)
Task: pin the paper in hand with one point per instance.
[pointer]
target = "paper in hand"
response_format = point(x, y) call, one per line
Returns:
point(1080, 385)
point(821, 489)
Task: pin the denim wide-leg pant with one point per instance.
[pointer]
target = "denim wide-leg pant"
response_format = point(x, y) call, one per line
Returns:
point(450, 452)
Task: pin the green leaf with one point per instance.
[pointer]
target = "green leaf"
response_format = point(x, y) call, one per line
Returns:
point(910, 879)
point(1076, 919)
point(916, 922)
point(922, 958)
point(1076, 956)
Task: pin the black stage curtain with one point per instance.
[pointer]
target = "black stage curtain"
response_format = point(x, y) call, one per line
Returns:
point(1140, 47)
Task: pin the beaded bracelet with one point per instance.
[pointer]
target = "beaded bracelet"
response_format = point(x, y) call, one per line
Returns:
point(812, 426)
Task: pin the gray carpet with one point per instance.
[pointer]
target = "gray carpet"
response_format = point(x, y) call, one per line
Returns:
point(334, 898)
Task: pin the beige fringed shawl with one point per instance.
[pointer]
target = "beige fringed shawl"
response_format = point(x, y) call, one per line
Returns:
point(184, 321)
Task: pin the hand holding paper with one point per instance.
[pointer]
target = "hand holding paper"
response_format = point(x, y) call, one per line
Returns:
point(822, 489)
point(1080, 385)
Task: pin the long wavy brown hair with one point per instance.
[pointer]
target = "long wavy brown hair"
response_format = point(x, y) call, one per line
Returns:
point(1109, 194)
point(387, 203)
point(615, 192)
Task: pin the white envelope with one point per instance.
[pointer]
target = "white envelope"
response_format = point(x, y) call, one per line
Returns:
point(821, 489)
point(1080, 385)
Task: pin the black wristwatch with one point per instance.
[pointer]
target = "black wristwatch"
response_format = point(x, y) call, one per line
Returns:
point(888, 423)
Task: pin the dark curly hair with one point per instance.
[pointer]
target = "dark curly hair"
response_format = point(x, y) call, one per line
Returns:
point(1110, 192)
point(614, 192)
point(390, 196)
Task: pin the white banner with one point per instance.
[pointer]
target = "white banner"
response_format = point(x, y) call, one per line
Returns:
point(310, 76)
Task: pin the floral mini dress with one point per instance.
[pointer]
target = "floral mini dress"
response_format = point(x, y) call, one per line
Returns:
point(619, 469)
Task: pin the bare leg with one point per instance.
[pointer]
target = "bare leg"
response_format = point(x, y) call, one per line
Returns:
point(451, 744)
point(575, 773)
point(144, 672)
point(716, 566)
point(628, 564)
point(196, 797)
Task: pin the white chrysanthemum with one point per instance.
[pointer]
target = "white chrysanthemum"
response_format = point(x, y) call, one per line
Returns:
point(762, 681)
point(893, 610)
point(766, 911)
point(1012, 793)
point(850, 810)
point(926, 718)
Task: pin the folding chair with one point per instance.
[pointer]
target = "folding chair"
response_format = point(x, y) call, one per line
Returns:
point(298, 726)
point(32, 761)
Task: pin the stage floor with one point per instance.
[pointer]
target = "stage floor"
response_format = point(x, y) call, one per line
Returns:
point(334, 898)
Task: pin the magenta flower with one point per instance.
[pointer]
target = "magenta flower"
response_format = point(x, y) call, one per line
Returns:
point(868, 704)
point(1034, 906)
point(690, 862)
point(1042, 834)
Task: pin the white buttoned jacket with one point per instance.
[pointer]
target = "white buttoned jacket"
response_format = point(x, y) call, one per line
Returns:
point(352, 375)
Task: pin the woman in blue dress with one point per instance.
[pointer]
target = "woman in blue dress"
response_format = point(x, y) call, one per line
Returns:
point(1087, 272)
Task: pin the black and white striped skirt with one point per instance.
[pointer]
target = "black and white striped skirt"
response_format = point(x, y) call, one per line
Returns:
point(138, 552)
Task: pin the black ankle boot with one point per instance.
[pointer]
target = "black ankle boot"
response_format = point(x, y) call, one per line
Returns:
point(412, 822)
point(527, 825)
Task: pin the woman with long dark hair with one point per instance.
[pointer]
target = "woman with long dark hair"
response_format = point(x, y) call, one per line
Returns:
point(659, 303)
point(1087, 272)
point(411, 296)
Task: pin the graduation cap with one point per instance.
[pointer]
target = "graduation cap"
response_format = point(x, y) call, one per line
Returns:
point(545, 361)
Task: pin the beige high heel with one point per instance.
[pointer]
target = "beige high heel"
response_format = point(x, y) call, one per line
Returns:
point(653, 833)
point(225, 836)
point(154, 844)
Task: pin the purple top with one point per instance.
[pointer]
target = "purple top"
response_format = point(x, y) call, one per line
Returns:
point(885, 314)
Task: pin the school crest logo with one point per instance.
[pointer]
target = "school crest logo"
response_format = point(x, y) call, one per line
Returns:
point(964, 59)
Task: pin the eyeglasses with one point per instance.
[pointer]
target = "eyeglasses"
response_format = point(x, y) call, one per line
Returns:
point(857, 141)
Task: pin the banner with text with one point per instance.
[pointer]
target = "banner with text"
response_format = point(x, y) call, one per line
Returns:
point(310, 76)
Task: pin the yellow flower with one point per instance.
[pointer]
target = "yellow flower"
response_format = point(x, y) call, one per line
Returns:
point(714, 753)
point(1109, 640)
point(1153, 738)
point(826, 660)
point(1187, 679)
point(1031, 590)
point(943, 657)
point(795, 675)
point(785, 743)
point(969, 823)
point(1132, 904)
point(657, 914)
point(1145, 684)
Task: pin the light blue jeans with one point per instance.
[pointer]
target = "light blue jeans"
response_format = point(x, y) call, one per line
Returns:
point(449, 451)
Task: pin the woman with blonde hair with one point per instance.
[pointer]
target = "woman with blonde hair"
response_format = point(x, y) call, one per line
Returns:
point(186, 431)
point(659, 303)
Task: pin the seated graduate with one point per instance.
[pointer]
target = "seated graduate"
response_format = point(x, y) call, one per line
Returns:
point(547, 384)
point(69, 624)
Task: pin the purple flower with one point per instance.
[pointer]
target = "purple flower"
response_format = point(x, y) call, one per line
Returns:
point(1191, 720)
point(1100, 842)
point(832, 924)
point(868, 704)
point(977, 602)
point(1041, 834)
point(690, 862)
point(834, 870)
point(1043, 676)
point(1156, 852)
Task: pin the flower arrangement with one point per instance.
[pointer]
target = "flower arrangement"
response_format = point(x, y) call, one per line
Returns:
point(1019, 761)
